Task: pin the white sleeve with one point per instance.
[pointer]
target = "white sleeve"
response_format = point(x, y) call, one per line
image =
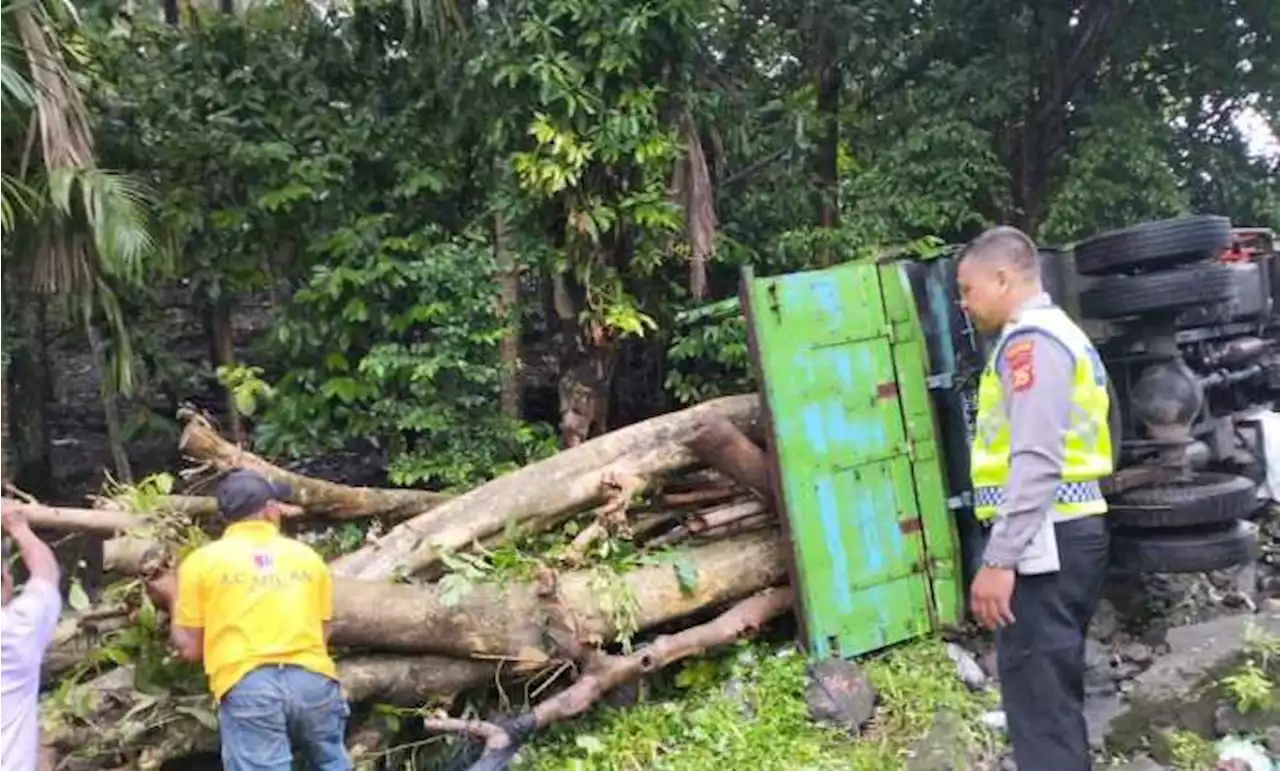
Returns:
point(33, 614)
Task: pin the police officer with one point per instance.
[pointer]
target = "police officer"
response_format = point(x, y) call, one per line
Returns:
point(1040, 447)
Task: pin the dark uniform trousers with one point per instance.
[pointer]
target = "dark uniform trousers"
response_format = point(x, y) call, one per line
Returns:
point(1041, 655)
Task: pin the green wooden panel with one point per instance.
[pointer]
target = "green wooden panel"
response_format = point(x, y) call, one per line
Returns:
point(853, 441)
point(911, 360)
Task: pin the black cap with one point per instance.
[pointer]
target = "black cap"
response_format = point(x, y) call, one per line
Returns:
point(243, 493)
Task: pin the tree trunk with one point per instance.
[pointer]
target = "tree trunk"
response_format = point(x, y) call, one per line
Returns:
point(222, 352)
point(26, 446)
point(527, 623)
point(546, 493)
point(110, 407)
point(830, 83)
point(509, 309)
point(516, 621)
point(604, 673)
point(319, 497)
point(726, 449)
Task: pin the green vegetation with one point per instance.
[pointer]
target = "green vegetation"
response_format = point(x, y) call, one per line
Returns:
point(745, 708)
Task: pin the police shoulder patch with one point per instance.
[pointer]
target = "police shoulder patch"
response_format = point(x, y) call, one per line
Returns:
point(1019, 357)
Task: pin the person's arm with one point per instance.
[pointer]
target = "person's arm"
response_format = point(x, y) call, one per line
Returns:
point(41, 563)
point(36, 609)
point(1036, 375)
point(186, 626)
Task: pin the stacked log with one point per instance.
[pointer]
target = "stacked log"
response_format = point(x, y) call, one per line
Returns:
point(412, 642)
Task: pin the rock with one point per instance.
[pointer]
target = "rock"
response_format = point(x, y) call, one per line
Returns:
point(1229, 721)
point(995, 720)
point(1099, 680)
point(1272, 740)
point(1197, 651)
point(1105, 622)
point(1176, 691)
point(1007, 763)
point(942, 748)
point(967, 668)
point(1099, 711)
point(840, 694)
point(1137, 652)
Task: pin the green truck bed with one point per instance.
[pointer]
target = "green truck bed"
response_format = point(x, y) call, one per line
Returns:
point(843, 368)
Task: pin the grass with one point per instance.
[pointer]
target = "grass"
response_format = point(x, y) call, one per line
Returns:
point(746, 709)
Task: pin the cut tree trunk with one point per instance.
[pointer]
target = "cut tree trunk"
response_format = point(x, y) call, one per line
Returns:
point(517, 620)
point(726, 449)
point(542, 495)
point(527, 624)
point(193, 506)
point(319, 497)
point(95, 521)
point(604, 673)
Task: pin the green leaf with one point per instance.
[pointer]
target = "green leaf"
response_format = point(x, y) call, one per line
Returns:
point(589, 744)
point(686, 573)
point(77, 599)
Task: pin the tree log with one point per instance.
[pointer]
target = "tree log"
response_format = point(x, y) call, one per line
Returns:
point(104, 522)
point(321, 498)
point(605, 672)
point(728, 450)
point(512, 621)
point(193, 506)
point(544, 494)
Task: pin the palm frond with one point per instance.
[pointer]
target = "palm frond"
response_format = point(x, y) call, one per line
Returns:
point(14, 87)
point(16, 197)
point(114, 208)
point(120, 378)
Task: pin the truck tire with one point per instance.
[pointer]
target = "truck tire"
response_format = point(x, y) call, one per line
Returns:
point(1249, 299)
point(1117, 296)
point(1194, 550)
point(1153, 245)
point(1208, 498)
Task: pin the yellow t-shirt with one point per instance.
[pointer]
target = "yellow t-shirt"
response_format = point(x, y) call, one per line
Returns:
point(261, 598)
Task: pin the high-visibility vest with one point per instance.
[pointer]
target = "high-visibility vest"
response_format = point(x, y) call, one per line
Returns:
point(1088, 438)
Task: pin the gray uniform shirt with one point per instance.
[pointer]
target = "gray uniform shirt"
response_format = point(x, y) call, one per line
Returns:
point(28, 623)
point(1038, 422)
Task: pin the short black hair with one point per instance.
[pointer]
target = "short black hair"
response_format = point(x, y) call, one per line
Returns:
point(1007, 245)
point(243, 493)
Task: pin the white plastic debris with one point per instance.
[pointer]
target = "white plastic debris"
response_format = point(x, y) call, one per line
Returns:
point(967, 667)
point(1235, 752)
point(996, 720)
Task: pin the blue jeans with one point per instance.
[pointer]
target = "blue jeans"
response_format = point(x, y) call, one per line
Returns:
point(275, 708)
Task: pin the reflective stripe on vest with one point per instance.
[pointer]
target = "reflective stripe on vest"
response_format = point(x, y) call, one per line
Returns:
point(1087, 457)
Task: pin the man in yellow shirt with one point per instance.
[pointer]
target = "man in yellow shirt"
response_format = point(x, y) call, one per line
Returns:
point(255, 606)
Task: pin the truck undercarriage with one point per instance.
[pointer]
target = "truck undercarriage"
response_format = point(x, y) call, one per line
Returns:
point(1182, 312)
